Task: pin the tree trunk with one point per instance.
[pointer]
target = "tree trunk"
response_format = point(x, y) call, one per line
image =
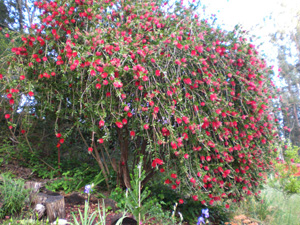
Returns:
point(55, 206)
point(54, 203)
point(19, 8)
point(123, 178)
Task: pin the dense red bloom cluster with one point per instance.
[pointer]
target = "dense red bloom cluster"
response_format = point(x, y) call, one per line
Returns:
point(186, 93)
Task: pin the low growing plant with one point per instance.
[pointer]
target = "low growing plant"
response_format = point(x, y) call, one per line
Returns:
point(13, 195)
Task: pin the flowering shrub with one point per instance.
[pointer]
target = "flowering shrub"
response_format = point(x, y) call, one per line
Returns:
point(144, 79)
point(287, 173)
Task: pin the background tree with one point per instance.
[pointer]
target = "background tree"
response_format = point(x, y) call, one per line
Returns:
point(287, 41)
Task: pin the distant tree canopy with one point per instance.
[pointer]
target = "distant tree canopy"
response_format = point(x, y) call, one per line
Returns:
point(288, 44)
point(134, 78)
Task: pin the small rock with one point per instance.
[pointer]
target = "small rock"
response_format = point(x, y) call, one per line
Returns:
point(40, 209)
point(60, 222)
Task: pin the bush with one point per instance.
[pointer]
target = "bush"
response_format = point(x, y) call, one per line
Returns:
point(12, 195)
point(284, 179)
point(140, 78)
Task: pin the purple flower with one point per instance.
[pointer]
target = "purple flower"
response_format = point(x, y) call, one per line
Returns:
point(200, 220)
point(205, 213)
point(88, 189)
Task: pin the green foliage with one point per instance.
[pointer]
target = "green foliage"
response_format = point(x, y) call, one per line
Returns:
point(12, 195)
point(271, 207)
point(190, 209)
point(284, 180)
point(16, 221)
point(74, 180)
point(6, 151)
point(86, 218)
point(138, 200)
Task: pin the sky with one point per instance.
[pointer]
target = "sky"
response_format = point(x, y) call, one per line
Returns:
point(260, 17)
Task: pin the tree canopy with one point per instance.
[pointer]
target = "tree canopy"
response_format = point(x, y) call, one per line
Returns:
point(143, 79)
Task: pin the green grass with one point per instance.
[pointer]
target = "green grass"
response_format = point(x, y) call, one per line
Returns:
point(274, 208)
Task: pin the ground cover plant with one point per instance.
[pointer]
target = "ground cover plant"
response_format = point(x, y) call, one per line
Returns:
point(124, 79)
point(13, 195)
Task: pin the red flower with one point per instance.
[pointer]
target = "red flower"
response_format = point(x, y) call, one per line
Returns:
point(196, 108)
point(132, 133)
point(61, 140)
point(195, 197)
point(168, 181)
point(174, 175)
point(30, 93)
point(181, 201)
point(101, 123)
point(185, 119)
point(179, 121)
point(124, 121)
point(157, 161)
point(58, 135)
point(90, 149)
point(100, 140)
point(213, 97)
point(146, 126)
point(119, 124)
point(7, 116)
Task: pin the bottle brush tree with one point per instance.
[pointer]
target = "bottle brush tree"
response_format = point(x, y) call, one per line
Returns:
point(147, 78)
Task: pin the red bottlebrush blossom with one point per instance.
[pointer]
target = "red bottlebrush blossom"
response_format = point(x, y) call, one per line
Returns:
point(213, 97)
point(181, 201)
point(195, 197)
point(119, 124)
point(98, 86)
point(7, 116)
point(101, 123)
point(100, 140)
point(192, 180)
point(168, 181)
point(174, 175)
point(124, 121)
point(30, 93)
point(185, 119)
point(157, 162)
point(146, 126)
point(93, 73)
point(132, 133)
point(90, 149)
